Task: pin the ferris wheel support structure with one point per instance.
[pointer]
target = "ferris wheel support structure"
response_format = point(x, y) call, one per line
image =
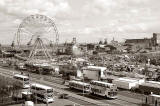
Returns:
point(34, 50)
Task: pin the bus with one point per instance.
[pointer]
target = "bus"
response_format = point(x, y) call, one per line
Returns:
point(42, 92)
point(79, 85)
point(104, 89)
point(24, 80)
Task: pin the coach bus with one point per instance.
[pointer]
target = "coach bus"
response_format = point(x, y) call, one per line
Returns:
point(79, 85)
point(42, 92)
point(24, 80)
point(104, 89)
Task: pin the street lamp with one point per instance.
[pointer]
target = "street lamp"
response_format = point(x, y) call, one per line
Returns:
point(46, 98)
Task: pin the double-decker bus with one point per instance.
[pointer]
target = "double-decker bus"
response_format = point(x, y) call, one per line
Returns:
point(104, 89)
point(23, 79)
point(79, 85)
point(42, 92)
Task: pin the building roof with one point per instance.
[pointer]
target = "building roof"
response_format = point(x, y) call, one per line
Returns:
point(154, 84)
point(145, 40)
point(79, 82)
point(105, 83)
point(96, 67)
point(41, 86)
point(27, 93)
point(127, 79)
point(158, 96)
point(21, 76)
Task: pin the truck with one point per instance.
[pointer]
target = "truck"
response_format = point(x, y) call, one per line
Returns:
point(150, 87)
point(127, 83)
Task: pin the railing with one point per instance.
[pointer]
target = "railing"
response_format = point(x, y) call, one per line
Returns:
point(53, 79)
point(6, 103)
point(39, 91)
point(148, 101)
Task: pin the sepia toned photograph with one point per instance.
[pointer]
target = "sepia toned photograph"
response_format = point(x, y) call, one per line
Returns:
point(79, 52)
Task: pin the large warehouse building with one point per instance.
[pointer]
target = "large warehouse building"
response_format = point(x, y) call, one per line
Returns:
point(146, 43)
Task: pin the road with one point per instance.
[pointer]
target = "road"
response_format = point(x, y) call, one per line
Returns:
point(125, 98)
point(57, 102)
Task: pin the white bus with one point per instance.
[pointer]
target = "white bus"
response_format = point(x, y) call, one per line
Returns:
point(42, 92)
point(104, 89)
point(24, 80)
point(79, 85)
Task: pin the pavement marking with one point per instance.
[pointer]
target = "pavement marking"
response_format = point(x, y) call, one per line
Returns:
point(76, 103)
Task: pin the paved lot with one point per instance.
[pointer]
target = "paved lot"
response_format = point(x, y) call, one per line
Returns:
point(58, 102)
point(124, 98)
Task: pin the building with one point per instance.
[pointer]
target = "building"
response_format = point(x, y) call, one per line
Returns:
point(69, 48)
point(94, 72)
point(145, 43)
point(138, 44)
point(90, 46)
point(128, 83)
point(156, 39)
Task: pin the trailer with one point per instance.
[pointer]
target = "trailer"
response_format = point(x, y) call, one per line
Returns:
point(150, 87)
point(127, 83)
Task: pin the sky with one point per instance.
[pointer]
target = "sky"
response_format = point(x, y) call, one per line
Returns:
point(87, 20)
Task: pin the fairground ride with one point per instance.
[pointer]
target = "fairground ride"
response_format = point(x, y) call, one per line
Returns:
point(37, 37)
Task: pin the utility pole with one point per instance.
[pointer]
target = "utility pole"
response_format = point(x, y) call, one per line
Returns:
point(47, 98)
point(83, 84)
point(36, 95)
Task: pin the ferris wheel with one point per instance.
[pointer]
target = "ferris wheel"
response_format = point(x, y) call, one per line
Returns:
point(38, 33)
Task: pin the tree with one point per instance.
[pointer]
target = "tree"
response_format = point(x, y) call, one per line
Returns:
point(100, 42)
point(4, 88)
point(17, 86)
point(105, 42)
point(8, 87)
point(12, 45)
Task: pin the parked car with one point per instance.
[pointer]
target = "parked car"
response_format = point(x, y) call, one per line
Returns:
point(63, 96)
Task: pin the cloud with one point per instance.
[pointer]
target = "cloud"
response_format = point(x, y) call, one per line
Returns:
point(13, 12)
point(28, 7)
point(124, 15)
point(86, 18)
point(99, 6)
point(17, 21)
